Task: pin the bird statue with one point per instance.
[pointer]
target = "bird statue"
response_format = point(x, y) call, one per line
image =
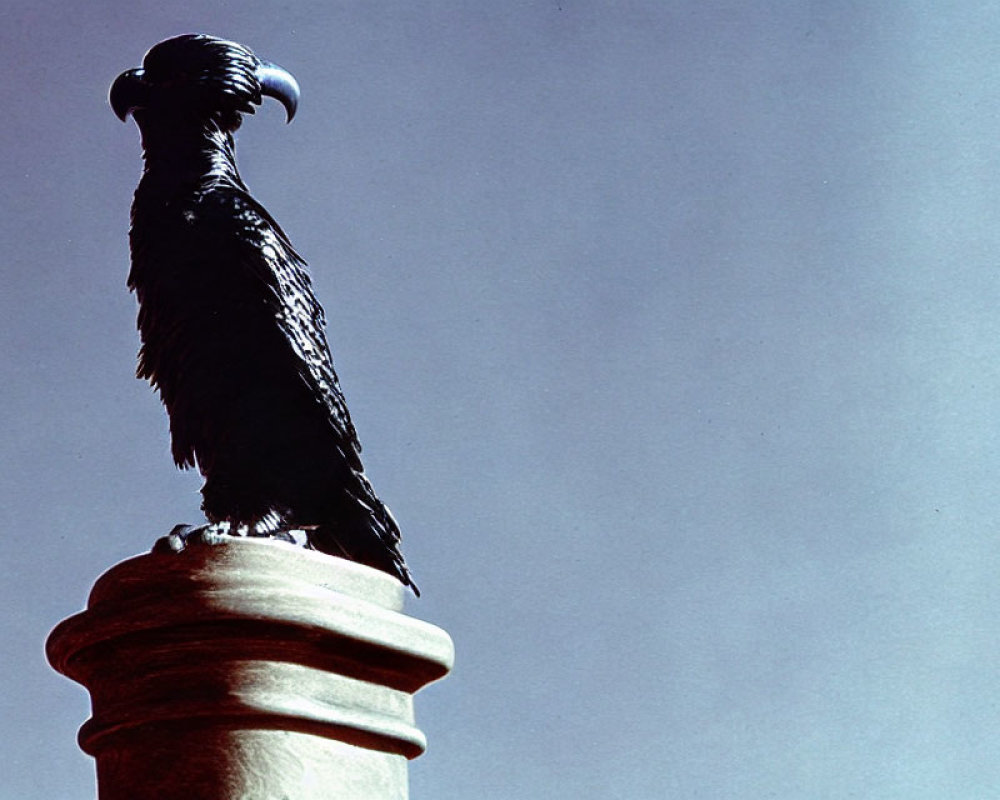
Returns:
point(233, 337)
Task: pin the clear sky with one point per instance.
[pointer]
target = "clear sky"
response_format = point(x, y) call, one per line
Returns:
point(670, 330)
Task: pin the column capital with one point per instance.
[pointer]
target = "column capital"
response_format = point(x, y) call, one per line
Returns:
point(249, 669)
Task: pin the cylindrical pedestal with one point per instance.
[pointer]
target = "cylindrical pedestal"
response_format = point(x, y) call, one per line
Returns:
point(250, 669)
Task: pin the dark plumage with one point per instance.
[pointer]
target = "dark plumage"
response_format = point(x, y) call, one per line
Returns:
point(232, 334)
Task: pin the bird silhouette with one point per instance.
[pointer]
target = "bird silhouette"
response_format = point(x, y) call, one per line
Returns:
point(233, 337)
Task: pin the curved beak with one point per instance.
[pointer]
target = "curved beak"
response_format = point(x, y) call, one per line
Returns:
point(278, 83)
point(128, 92)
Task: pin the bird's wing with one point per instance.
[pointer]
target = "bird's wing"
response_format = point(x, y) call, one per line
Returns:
point(272, 259)
point(266, 253)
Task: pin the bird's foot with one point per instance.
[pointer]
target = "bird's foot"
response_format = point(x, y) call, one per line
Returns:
point(220, 532)
point(183, 535)
point(273, 525)
point(296, 536)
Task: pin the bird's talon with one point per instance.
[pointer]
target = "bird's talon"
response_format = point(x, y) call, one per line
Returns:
point(181, 536)
point(295, 536)
point(175, 541)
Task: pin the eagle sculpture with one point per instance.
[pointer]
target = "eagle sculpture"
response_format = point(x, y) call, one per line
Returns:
point(233, 337)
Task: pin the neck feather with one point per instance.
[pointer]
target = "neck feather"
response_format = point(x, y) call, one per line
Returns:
point(191, 152)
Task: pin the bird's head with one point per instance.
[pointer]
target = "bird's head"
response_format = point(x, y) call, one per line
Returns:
point(201, 77)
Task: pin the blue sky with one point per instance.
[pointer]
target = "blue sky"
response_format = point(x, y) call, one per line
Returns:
point(669, 329)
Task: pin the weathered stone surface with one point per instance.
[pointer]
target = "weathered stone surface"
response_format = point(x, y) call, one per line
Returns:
point(251, 669)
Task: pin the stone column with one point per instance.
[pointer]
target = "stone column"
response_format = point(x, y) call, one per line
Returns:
point(250, 669)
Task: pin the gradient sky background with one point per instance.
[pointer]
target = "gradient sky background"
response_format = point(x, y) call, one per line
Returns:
point(671, 333)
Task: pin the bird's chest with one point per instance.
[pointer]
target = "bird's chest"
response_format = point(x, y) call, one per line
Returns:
point(183, 261)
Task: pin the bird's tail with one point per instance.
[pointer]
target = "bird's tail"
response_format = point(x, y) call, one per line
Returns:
point(373, 542)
